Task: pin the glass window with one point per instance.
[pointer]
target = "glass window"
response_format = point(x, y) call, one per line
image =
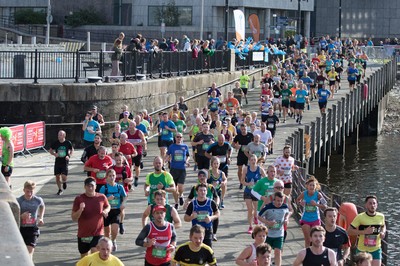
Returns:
point(170, 14)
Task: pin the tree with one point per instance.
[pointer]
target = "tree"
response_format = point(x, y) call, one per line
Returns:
point(29, 16)
point(168, 14)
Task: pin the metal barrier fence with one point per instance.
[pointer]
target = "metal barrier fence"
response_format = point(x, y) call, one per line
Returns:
point(77, 65)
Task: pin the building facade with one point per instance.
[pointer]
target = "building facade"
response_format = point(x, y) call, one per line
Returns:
point(359, 18)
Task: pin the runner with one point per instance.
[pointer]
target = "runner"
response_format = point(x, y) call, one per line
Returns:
point(178, 156)
point(202, 211)
point(31, 216)
point(97, 165)
point(171, 214)
point(202, 141)
point(166, 131)
point(158, 179)
point(251, 175)
point(223, 150)
point(62, 150)
point(116, 196)
point(248, 255)
point(263, 253)
point(239, 143)
point(194, 252)
point(316, 254)
point(370, 228)
point(265, 187)
point(312, 201)
point(323, 95)
point(159, 239)
point(275, 215)
point(102, 257)
point(284, 166)
point(218, 179)
point(90, 128)
point(88, 210)
point(7, 157)
point(362, 259)
point(256, 148)
point(244, 84)
point(301, 99)
point(271, 121)
point(124, 178)
point(137, 138)
point(336, 237)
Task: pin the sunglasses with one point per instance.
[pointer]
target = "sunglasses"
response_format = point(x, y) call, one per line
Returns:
point(178, 137)
point(279, 187)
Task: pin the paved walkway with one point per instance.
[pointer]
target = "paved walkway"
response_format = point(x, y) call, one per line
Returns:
point(58, 245)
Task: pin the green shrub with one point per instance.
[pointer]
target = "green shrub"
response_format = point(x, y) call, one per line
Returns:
point(29, 16)
point(85, 17)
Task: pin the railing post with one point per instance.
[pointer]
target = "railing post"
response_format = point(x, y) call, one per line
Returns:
point(77, 65)
point(101, 61)
point(179, 63)
point(124, 66)
point(35, 77)
point(318, 141)
point(312, 148)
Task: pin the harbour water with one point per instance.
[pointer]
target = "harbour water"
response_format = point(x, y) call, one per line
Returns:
point(370, 168)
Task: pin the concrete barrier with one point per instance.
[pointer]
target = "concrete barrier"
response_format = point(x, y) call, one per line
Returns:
point(13, 250)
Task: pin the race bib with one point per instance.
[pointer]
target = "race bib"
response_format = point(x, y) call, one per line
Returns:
point(179, 128)
point(310, 208)
point(201, 216)
point(270, 126)
point(243, 147)
point(165, 131)
point(287, 171)
point(257, 153)
point(222, 159)
point(101, 175)
point(87, 239)
point(276, 226)
point(205, 146)
point(178, 157)
point(114, 202)
point(159, 252)
point(62, 153)
point(29, 221)
point(370, 240)
point(89, 128)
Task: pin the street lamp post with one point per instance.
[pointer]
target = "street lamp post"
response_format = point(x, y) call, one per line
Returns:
point(340, 19)
point(275, 22)
point(226, 19)
point(49, 19)
point(299, 17)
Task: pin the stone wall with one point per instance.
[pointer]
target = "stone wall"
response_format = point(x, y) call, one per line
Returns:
point(62, 106)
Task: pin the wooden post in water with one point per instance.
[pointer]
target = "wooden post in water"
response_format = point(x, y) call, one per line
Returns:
point(334, 127)
point(318, 142)
point(323, 137)
point(301, 146)
point(329, 136)
point(346, 115)
point(312, 148)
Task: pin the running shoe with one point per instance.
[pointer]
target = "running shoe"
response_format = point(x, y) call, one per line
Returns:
point(255, 220)
point(121, 228)
point(241, 186)
point(60, 192)
point(141, 165)
point(215, 237)
point(176, 206)
point(250, 230)
point(114, 247)
point(65, 185)
point(221, 205)
point(136, 182)
point(181, 201)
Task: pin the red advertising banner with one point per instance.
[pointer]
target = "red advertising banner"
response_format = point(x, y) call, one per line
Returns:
point(34, 135)
point(17, 138)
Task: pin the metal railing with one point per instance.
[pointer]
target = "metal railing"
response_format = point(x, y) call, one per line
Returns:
point(38, 65)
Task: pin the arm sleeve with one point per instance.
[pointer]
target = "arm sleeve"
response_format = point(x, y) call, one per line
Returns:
point(142, 235)
point(191, 194)
point(173, 237)
point(189, 209)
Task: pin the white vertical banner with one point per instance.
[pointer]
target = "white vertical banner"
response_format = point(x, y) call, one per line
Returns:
point(239, 24)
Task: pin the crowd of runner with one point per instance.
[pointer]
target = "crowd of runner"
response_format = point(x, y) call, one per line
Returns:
point(220, 134)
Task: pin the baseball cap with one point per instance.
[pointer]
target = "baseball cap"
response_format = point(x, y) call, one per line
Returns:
point(202, 172)
point(93, 107)
point(159, 208)
point(126, 113)
point(224, 123)
point(90, 181)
